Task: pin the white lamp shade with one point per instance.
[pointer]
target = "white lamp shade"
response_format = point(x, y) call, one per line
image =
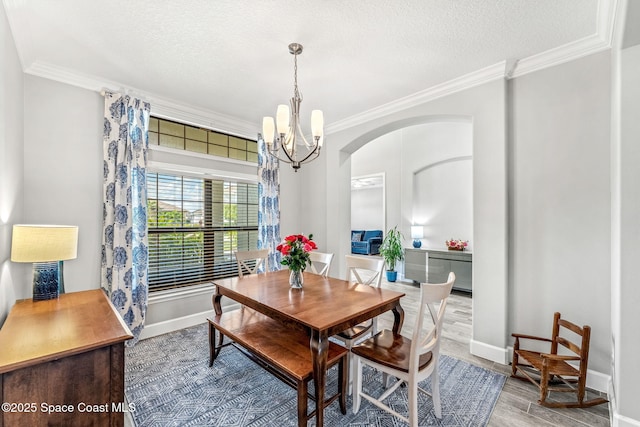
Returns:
point(268, 128)
point(44, 243)
point(282, 119)
point(317, 122)
point(417, 232)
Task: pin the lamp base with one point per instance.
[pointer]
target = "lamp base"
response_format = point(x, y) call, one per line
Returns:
point(417, 243)
point(47, 280)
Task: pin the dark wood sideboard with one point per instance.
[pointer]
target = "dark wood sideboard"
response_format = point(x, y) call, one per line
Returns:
point(62, 362)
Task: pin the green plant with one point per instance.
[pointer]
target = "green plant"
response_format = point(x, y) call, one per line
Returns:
point(391, 248)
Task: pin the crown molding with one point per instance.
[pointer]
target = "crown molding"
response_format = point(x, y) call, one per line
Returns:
point(508, 69)
point(160, 106)
point(484, 75)
point(568, 52)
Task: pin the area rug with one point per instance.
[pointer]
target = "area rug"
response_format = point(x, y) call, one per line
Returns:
point(169, 382)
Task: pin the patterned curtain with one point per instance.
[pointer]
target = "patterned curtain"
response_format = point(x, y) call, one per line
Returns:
point(124, 237)
point(269, 204)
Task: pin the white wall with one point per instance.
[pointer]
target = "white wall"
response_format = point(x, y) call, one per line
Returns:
point(382, 156)
point(11, 166)
point(438, 178)
point(367, 208)
point(560, 201)
point(416, 161)
point(443, 202)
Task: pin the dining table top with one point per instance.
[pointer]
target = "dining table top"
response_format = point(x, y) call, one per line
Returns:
point(323, 303)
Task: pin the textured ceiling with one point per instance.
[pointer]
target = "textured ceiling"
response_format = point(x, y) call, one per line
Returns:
point(231, 57)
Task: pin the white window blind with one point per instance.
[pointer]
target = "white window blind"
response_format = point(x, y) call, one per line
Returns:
point(195, 225)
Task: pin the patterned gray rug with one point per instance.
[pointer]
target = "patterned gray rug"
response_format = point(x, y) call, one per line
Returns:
point(169, 381)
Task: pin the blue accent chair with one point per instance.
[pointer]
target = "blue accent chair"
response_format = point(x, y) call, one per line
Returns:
point(366, 242)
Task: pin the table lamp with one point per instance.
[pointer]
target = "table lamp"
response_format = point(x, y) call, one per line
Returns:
point(417, 233)
point(46, 246)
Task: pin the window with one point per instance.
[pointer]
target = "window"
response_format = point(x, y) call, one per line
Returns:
point(170, 134)
point(195, 225)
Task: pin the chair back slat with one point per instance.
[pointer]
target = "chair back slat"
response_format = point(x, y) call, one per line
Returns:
point(423, 341)
point(357, 266)
point(571, 326)
point(569, 345)
point(320, 263)
point(249, 262)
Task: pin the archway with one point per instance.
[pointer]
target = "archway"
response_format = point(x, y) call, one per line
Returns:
point(485, 107)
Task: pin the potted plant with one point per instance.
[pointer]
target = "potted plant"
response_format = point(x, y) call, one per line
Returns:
point(392, 252)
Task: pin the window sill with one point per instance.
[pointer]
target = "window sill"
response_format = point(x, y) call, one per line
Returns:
point(176, 294)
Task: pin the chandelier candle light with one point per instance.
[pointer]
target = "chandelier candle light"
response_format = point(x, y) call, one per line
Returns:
point(288, 126)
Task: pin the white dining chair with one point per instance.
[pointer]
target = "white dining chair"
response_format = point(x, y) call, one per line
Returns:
point(249, 262)
point(409, 360)
point(320, 263)
point(364, 271)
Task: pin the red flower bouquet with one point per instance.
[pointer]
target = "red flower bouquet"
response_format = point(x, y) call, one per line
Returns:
point(456, 244)
point(295, 250)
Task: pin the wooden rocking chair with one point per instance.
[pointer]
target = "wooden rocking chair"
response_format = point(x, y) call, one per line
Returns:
point(551, 371)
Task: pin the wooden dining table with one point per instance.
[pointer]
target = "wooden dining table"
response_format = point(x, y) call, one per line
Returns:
point(324, 307)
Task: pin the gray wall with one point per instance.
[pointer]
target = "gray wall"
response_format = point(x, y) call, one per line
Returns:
point(63, 170)
point(63, 184)
point(626, 292)
point(11, 168)
point(486, 105)
point(560, 204)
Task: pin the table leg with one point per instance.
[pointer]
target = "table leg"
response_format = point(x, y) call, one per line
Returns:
point(398, 318)
point(215, 300)
point(319, 345)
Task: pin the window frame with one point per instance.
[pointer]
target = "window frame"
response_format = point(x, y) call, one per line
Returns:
point(215, 263)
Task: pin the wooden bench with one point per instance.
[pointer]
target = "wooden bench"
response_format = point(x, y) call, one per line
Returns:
point(282, 351)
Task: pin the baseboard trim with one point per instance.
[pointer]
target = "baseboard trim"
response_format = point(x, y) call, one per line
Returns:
point(164, 327)
point(615, 419)
point(598, 381)
point(489, 352)
point(618, 420)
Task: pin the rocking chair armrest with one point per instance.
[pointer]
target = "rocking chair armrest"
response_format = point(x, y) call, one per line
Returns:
point(558, 357)
point(531, 337)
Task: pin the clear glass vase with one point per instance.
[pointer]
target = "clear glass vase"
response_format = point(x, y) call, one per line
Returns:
point(296, 279)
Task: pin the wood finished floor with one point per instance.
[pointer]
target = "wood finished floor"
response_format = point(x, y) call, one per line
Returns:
point(517, 405)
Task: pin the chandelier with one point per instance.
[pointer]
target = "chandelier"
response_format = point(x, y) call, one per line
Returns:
point(290, 140)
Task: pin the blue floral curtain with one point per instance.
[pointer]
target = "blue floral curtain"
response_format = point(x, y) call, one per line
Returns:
point(124, 237)
point(269, 204)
